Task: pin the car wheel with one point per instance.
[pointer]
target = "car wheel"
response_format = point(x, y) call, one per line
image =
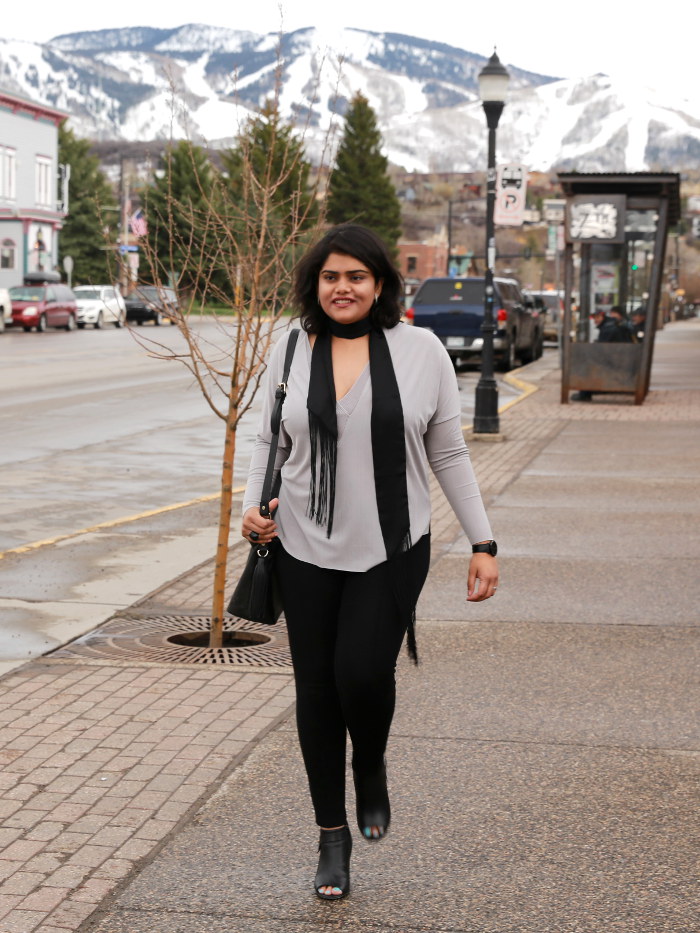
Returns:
point(72, 324)
point(98, 323)
point(42, 325)
point(158, 319)
point(26, 329)
point(81, 325)
point(507, 359)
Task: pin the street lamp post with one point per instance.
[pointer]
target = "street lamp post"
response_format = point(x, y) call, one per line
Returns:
point(493, 84)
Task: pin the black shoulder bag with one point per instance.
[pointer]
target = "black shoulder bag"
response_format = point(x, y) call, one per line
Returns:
point(257, 596)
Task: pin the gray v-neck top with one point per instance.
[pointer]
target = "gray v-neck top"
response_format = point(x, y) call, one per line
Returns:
point(432, 424)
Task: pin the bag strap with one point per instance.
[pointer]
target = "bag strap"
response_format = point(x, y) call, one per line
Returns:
point(275, 422)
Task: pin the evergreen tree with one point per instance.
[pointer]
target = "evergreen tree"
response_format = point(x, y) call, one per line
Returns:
point(360, 189)
point(83, 235)
point(180, 248)
point(269, 159)
point(269, 204)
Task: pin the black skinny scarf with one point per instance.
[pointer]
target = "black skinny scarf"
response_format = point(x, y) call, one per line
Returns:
point(388, 440)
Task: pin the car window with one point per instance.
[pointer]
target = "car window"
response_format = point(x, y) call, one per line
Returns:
point(450, 291)
point(27, 293)
point(84, 291)
point(51, 294)
point(143, 292)
point(502, 291)
point(508, 291)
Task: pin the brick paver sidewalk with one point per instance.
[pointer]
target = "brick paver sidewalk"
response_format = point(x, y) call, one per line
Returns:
point(101, 762)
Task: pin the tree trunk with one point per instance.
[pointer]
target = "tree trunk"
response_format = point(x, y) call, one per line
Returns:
point(216, 633)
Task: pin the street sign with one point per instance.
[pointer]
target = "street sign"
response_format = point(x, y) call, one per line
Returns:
point(511, 186)
point(68, 266)
point(554, 210)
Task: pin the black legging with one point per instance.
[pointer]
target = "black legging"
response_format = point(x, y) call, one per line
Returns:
point(345, 633)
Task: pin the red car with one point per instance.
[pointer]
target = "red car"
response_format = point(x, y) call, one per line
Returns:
point(43, 306)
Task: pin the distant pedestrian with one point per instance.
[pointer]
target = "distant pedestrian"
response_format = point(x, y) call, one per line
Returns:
point(623, 334)
point(371, 402)
point(639, 323)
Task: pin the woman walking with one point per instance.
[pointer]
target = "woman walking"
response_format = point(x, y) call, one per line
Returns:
point(370, 403)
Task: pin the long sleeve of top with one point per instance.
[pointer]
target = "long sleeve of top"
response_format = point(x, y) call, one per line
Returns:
point(432, 426)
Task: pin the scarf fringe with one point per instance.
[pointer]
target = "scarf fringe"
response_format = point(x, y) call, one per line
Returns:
point(322, 492)
point(411, 646)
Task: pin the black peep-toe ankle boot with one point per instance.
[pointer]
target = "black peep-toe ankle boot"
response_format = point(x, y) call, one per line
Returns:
point(334, 846)
point(372, 802)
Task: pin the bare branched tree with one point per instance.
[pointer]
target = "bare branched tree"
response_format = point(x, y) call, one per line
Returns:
point(229, 240)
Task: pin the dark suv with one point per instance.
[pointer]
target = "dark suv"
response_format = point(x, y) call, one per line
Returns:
point(453, 308)
point(151, 303)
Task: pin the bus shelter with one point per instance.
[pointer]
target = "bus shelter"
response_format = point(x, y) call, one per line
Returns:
point(616, 230)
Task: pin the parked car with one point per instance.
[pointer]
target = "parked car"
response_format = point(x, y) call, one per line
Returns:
point(43, 306)
point(5, 309)
point(453, 308)
point(99, 305)
point(550, 304)
point(151, 303)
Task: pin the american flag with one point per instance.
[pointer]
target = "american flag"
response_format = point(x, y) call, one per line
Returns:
point(137, 223)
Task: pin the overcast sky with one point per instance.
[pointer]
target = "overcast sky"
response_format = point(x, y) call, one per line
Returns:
point(616, 37)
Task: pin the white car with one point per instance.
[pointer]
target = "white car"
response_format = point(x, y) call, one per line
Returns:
point(5, 309)
point(99, 305)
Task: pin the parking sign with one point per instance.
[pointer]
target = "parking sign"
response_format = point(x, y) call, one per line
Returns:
point(511, 186)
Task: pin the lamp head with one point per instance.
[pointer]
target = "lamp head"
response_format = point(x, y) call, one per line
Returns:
point(493, 81)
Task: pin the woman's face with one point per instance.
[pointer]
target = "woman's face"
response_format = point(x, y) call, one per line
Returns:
point(346, 288)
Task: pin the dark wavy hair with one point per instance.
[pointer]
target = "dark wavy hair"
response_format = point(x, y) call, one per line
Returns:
point(362, 244)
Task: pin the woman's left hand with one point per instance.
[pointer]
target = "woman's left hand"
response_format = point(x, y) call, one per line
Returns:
point(483, 577)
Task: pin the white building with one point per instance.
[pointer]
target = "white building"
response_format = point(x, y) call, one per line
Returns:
point(30, 214)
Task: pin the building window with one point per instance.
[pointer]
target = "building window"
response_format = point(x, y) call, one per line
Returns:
point(411, 265)
point(8, 174)
point(7, 254)
point(44, 182)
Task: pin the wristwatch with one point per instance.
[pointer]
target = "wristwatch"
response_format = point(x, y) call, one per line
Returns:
point(488, 547)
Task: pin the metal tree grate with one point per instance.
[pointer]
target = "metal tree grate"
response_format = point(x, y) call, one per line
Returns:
point(177, 639)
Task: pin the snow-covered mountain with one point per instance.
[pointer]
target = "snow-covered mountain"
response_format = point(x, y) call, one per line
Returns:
point(201, 81)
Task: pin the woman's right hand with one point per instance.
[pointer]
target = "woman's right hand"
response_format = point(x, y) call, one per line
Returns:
point(264, 528)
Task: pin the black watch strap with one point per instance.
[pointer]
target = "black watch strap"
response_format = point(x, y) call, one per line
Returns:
point(488, 547)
